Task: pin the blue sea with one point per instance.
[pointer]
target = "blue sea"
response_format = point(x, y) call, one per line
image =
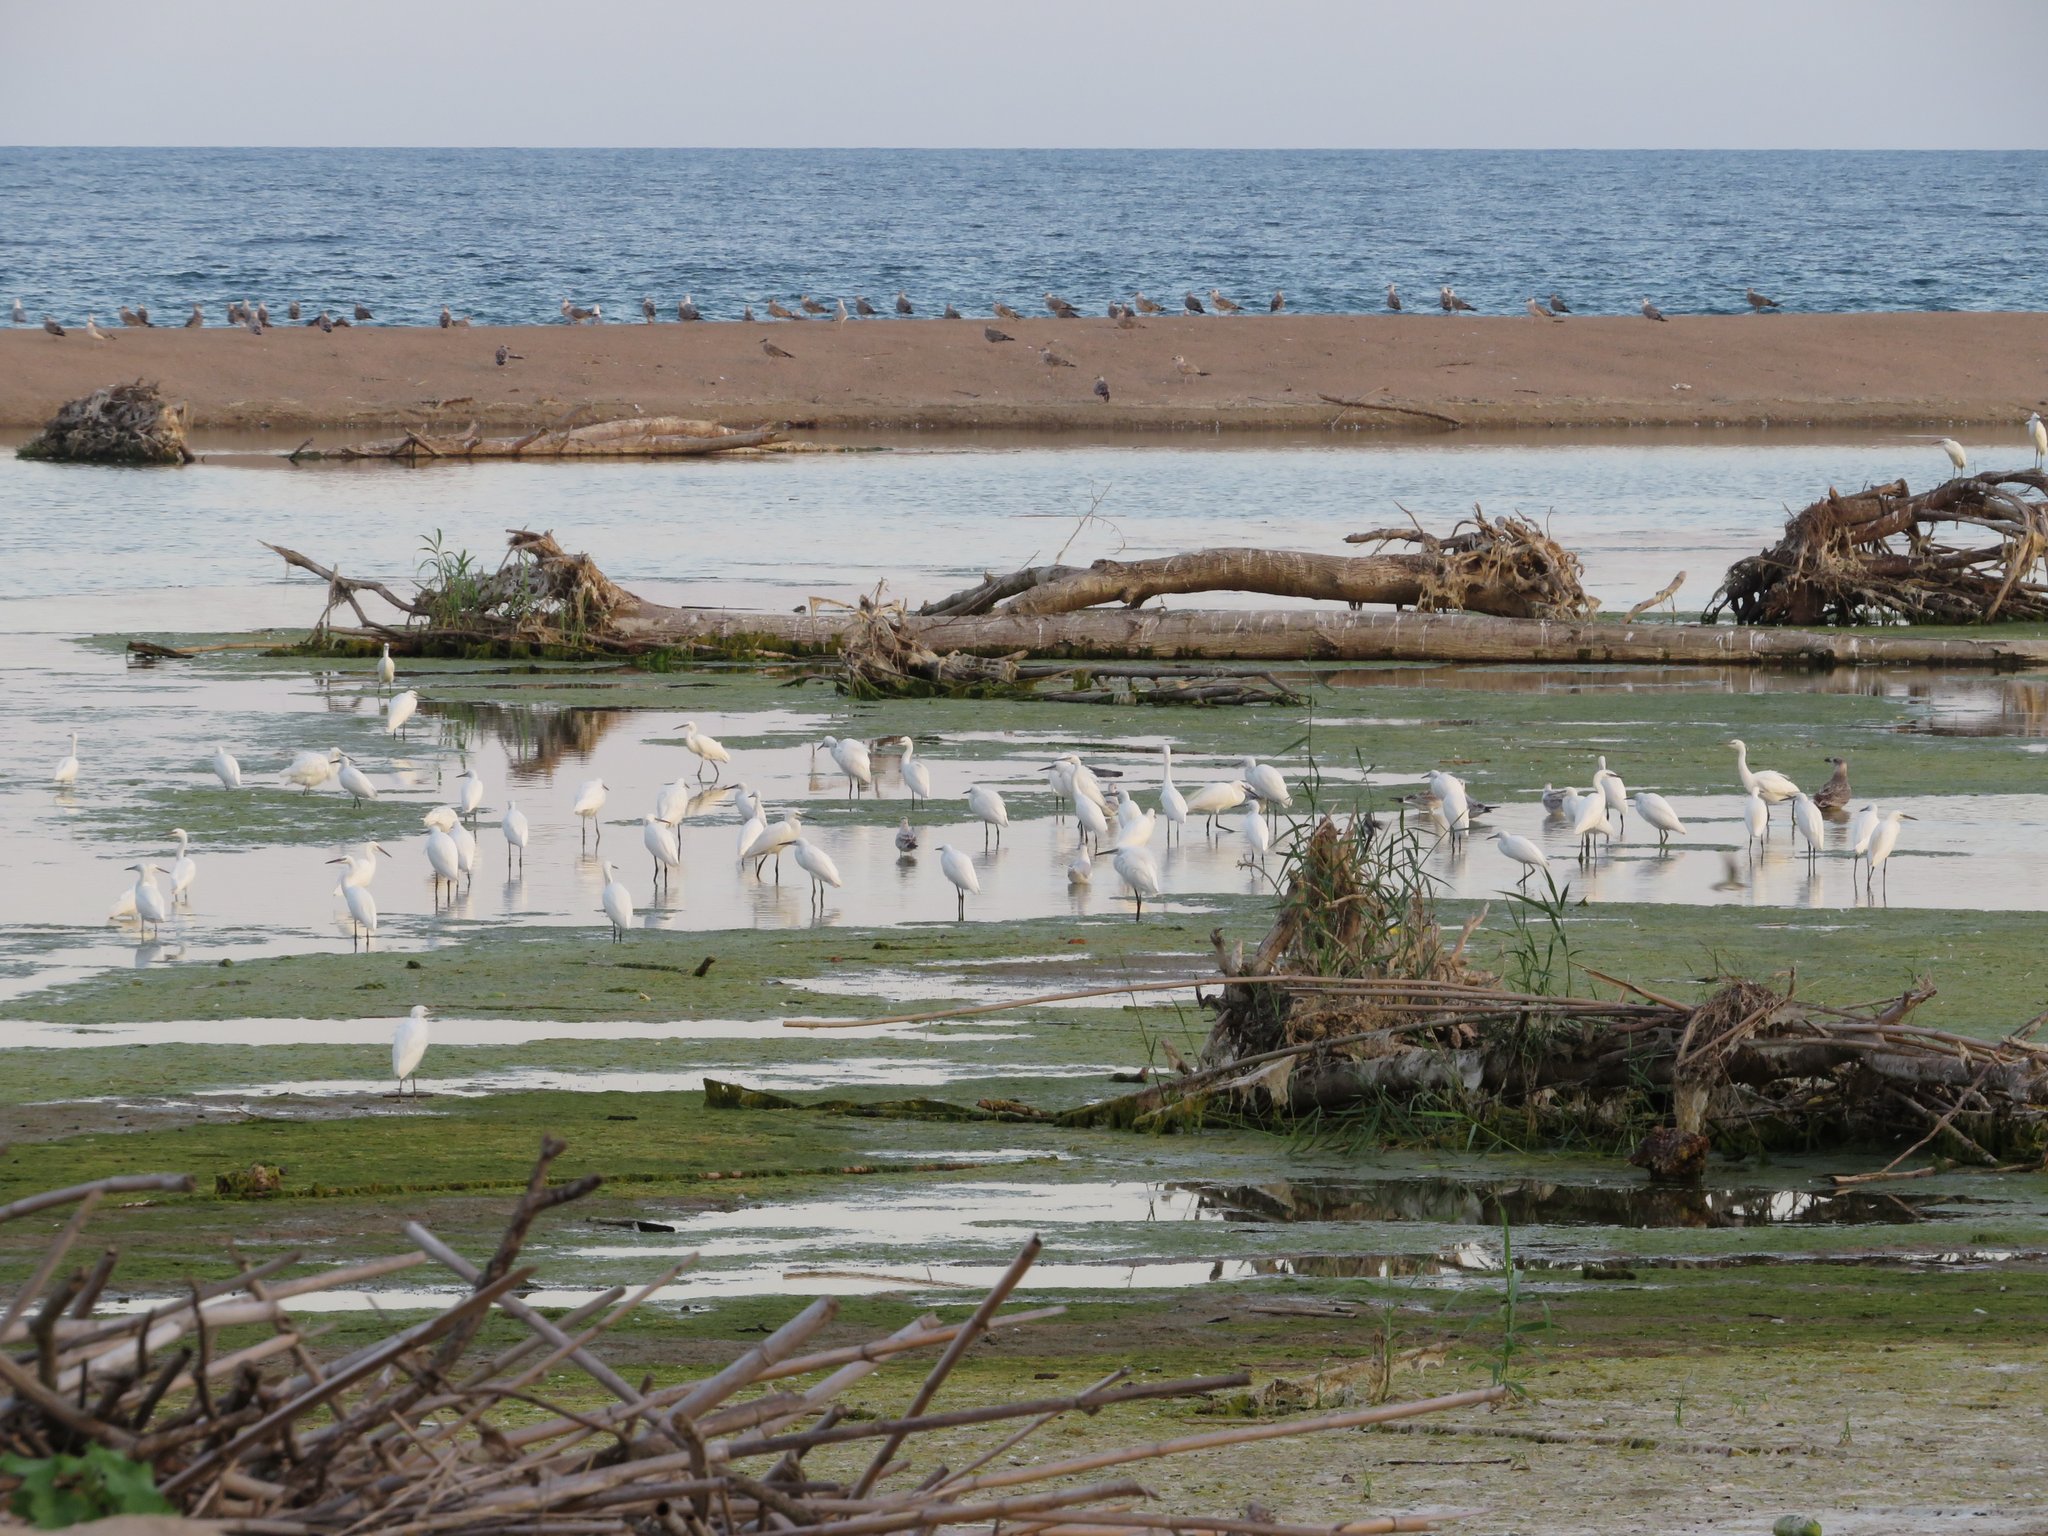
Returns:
point(505, 235)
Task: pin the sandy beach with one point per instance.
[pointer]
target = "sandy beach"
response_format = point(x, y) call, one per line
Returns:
point(1907, 372)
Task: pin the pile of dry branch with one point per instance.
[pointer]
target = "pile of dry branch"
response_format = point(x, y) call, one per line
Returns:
point(1508, 567)
point(632, 437)
point(128, 424)
point(1886, 555)
point(216, 1391)
point(1357, 1000)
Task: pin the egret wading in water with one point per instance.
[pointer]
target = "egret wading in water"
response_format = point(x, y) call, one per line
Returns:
point(852, 758)
point(309, 770)
point(1524, 851)
point(355, 895)
point(152, 907)
point(1756, 818)
point(590, 796)
point(225, 768)
point(986, 806)
point(399, 711)
point(1589, 820)
point(1656, 810)
point(709, 752)
point(772, 841)
point(354, 782)
point(1772, 786)
point(1956, 457)
point(672, 804)
point(387, 669)
point(1212, 800)
point(1807, 818)
point(816, 863)
point(409, 1048)
point(617, 902)
point(660, 841)
point(1452, 801)
point(444, 858)
point(362, 867)
point(1173, 804)
point(1882, 842)
point(184, 869)
point(917, 778)
point(1613, 793)
point(516, 832)
point(1140, 875)
point(2037, 437)
point(441, 818)
point(1258, 838)
point(470, 796)
point(1862, 826)
point(1264, 780)
point(66, 773)
point(958, 869)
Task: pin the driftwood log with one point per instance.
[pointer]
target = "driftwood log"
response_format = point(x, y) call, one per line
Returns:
point(127, 424)
point(634, 437)
point(1971, 550)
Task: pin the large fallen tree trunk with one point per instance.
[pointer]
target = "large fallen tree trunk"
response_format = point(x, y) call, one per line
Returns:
point(1887, 555)
point(635, 437)
point(1508, 568)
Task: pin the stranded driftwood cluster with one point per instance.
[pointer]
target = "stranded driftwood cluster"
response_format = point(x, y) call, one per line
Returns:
point(127, 424)
point(216, 1394)
point(1971, 550)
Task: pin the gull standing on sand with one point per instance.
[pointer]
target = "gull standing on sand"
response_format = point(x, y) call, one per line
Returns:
point(1192, 304)
point(1651, 311)
point(1148, 306)
point(129, 317)
point(773, 350)
point(20, 314)
point(646, 310)
point(1102, 389)
point(93, 330)
point(1757, 302)
point(688, 310)
point(1447, 298)
point(1186, 369)
point(363, 310)
point(903, 304)
point(1052, 359)
point(1225, 306)
point(1061, 307)
point(1393, 299)
point(950, 312)
point(447, 318)
point(862, 307)
point(990, 333)
point(196, 319)
point(809, 305)
point(51, 326)
point(263, 314)
point(1279, 302)
point(1558, 305)
point(1535, 308)
point(841, 317)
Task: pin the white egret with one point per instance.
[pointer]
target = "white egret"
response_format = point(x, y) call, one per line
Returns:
point(986, 806)
point(917, 778)
point(441, 818)
point(1656, 810)
point(400, 710)
point(184, 868)
point(1264, 780)
point(470, 795)
point(226, 769)
point(2037, 437)
point(750, 829)
point(618, 903)
point(746, 802)
point(589, 801)
point(1257, 838)
point(1770, 784)
point(1589, 822)
point(1613, 791)
point(660, 841)
point(1140, 875)
point(773, 840)
point(1882, 842)
point(1756, 817)
point(1080, 868)
point(354, 782)
point(708, 751)
point(1450, 794)
point(152, 907)
point(1089, 820)
point(67, 767)
point(1060, 780)
point(1173, 805)
point(444, 858)
point(816, 863)
point(1523, 851)
point(362, 868)
point(852, 758)
point(309, 770)
point(362, 906)
point(1212, 800)
point(387, 669)
point(958, 869)
point(1134, 824)
point(906, 837)
point(1954, 450)
point(465, 851)
point(1806, 817)
point(672, 802)
point(1082, 780)
point(409, 1042)
point(1861, 826)
point(516, 833)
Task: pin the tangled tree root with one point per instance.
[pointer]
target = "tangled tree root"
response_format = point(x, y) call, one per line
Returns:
point(1886, 555)
point(127, 424)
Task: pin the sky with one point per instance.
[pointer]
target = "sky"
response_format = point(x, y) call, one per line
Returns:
point(1556, 74)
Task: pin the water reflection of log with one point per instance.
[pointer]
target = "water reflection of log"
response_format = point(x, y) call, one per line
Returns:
point(536, 737)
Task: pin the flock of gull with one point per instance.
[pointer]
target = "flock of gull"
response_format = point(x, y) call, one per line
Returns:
point(255, 317)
